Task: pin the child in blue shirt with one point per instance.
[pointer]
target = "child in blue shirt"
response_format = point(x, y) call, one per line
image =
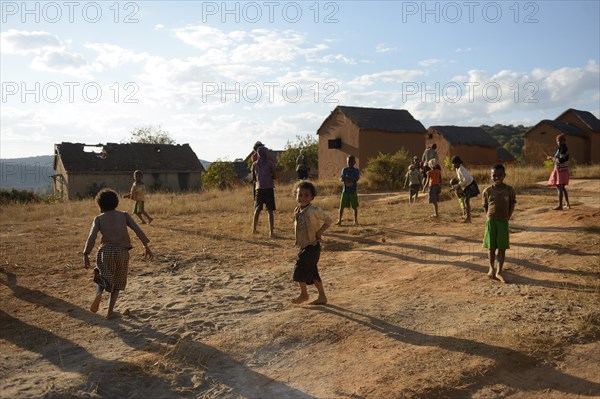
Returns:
point(350, 176)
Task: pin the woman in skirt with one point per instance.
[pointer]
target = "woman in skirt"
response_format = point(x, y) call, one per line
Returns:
point(560, 174)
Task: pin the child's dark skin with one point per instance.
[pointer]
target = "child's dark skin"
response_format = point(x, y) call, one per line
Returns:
point(304, 197)
point(498, 176)
point(350, 162)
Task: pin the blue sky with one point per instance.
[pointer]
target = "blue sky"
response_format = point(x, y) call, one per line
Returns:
point(222, 75)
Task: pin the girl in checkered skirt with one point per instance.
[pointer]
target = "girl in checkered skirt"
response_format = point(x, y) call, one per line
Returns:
point(112, 260)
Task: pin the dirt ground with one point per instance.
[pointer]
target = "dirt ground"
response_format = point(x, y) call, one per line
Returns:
point(411, 313)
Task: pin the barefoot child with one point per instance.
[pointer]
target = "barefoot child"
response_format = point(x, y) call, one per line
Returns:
point(499, 202)
point(350, 176)
point(138, 193)
point(458, 191)
point(310, 222)
point(434, 180)
point(467, 183)
point(112, 259)
point(413, 178)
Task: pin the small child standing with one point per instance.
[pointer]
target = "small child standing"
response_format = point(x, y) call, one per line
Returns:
point(350, 176)
point(413, 178)
point(310, 222)
point(138, 194)
point(434, 180)
point(499, 201)
point(458, 191)
point(112, 259)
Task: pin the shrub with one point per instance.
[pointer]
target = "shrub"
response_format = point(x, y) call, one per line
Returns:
point(220, 175)
point(387, 171)
point(287, 159)
point(18, 197)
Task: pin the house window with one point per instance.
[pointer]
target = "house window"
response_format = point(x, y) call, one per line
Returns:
point(335, 143)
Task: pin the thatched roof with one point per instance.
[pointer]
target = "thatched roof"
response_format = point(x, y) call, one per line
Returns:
point(565, 128)
point(385, 119)
point(465, 135)
point(504, 156)
point(586, 117)
point(127, 158)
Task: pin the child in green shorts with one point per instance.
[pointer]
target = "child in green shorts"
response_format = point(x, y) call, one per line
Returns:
point(499, 201)
point(138, 194)
point(350, 176)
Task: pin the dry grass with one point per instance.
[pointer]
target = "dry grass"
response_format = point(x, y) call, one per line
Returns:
point(204, 251)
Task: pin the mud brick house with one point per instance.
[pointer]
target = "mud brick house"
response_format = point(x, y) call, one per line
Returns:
point(81, 172)
point(504, 156)
point(587, 123)
point(364, 133)
point(472, 144)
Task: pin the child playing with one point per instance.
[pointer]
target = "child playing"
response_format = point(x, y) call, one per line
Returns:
point(413, 177)
point(310, 222)
point(138, 193)
point(467, 183)
point(112, 259)
point(263, 172)
point(499, 202)
point(350, 176)
point(455, 187)
point(434, 180)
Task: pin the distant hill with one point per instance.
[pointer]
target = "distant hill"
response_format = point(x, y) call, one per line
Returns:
point(31, 173)
point(509, 136)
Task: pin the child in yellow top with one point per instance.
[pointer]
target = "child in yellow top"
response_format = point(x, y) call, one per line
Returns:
point(309, 224)
point(138, 194)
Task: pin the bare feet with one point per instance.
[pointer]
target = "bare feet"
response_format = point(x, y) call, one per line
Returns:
point(558, 208)
point(300, 299)
point(568, 206)
point(150, 220)
point(112, 315)
point(467, 220)
point(339, 222)
point(501, 278)
point(319, 301)
point(433, 216)
point(96, 304)
point(490, 274)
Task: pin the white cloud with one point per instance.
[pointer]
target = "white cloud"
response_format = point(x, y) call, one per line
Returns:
point(158, 27)
point(462, 50)
point(64, 62)
point(203, 37)
point(382, 48)
point(431, 62)
point(26, 42)
point(113, 56)
point(392, 76)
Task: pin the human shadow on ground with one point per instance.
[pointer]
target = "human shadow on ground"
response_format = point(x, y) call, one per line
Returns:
point(429, 256)
point(104, 374)
point(505, 359)
point(103, 377)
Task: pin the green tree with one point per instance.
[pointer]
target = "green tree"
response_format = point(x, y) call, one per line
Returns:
point(150, 135)
point(287, 159)
point(220, 174)
point(387, 171)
